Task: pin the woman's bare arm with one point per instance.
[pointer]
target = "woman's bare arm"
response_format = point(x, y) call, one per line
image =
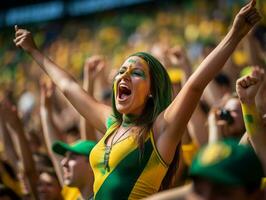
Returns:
point(171, 123)
point(96, 113)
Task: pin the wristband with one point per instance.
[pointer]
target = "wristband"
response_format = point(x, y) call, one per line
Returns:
point(250, 116)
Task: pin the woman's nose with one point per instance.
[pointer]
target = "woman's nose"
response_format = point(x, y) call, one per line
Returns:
point(127, 73)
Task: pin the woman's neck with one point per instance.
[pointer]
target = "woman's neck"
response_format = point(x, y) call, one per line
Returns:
point(129, 120)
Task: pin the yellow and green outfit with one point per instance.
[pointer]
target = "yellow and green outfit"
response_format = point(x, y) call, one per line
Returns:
point(132, 174)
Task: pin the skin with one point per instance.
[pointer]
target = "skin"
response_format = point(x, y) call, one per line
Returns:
point(77, 173)
point(92, 70)
point(169, 126)
point(134, 74)
point(48, 187)
point(247, 89)
point(237, 128)
point(74, 167)
point(15, 129)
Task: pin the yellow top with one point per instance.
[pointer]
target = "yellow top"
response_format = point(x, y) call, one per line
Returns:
point(70, 193)
point(11, 183)
point(189, 150)
point(131, 175)
point(263, 184)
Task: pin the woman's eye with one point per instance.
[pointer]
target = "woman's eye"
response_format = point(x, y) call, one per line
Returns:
point(121, 71)
point(138, 73)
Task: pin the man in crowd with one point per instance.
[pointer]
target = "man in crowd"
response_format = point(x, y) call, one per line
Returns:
point(77, 172)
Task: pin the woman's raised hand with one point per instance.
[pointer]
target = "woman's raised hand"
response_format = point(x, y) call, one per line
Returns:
point(246, 19)
point(24, 39)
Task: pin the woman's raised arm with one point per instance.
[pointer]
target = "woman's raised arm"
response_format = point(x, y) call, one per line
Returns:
point(96, 113)
point(171, 124)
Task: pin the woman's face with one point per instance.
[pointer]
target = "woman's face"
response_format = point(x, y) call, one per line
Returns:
point(132, 86)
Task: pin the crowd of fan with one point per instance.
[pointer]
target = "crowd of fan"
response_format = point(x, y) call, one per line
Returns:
point(37, 122)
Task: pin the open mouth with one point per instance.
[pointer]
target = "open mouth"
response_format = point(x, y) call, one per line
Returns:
point(123, 92)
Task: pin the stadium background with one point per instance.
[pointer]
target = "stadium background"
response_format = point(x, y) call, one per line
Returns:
point(69, 31)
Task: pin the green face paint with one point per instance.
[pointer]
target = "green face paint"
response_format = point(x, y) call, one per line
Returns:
point(133, 72)
point(138, 73)
point(248, 118)
point(131, 61)
point(128, 120)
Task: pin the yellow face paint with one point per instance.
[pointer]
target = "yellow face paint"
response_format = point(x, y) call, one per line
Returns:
point(115, 87)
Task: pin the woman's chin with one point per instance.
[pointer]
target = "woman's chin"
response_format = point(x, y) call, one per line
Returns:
point(122, 110)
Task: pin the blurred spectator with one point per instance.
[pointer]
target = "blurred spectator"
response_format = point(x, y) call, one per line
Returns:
point(221, 170)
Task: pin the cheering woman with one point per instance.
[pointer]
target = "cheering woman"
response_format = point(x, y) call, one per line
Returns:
point(143, 128)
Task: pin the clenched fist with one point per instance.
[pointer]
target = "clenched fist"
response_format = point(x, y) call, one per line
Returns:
point(24, 39)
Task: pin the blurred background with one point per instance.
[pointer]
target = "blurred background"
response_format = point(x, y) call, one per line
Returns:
point(71, 30)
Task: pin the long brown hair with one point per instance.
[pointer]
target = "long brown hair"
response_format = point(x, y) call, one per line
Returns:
point(161, 91)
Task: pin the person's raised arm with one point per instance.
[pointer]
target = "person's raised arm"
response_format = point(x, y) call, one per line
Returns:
point(197, 123)
point(254, 50)
point(50, 131)
point(15, 127)
point(9, 152)
point(93, 67)
point(95, 112)
point(247, 88)
point(179, 58)
point(171, 123)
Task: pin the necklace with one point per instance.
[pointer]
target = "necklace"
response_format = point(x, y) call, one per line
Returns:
point(108, 149)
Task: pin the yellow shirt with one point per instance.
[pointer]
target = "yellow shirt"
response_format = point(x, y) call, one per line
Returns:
point(263, 184)
point(70, 193)
point(189, 150)
point(128, 173)
point(11, 183)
